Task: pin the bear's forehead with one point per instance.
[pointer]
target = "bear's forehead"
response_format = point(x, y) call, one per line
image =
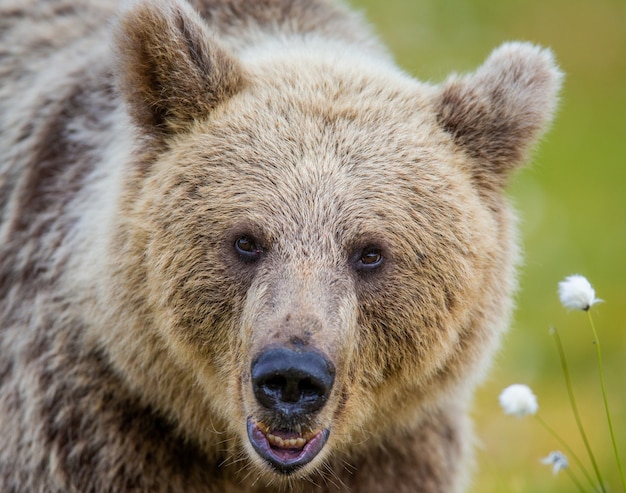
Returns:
point(324, 188)
point(309, 160)
point(306, 153)
point(317, 139)
point(333, 103)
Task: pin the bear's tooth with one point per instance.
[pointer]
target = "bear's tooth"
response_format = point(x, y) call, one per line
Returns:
point(279, 442)
point(295, 442)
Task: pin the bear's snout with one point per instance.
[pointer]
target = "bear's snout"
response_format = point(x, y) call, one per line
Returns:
point(292, 384)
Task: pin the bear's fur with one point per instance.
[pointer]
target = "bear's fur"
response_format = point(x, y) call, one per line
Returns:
point(184, 188)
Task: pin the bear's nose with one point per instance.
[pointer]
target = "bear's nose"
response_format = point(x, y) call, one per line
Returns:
point(292, 383)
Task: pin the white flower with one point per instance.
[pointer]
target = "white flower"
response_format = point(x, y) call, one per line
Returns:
point(518, 400)
point(557, 460)
point(576, 293)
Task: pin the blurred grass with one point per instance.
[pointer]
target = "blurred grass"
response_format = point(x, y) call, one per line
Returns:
point(572, 205)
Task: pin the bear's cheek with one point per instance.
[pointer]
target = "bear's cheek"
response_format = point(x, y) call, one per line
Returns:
point(412, 323)
point(196, 300)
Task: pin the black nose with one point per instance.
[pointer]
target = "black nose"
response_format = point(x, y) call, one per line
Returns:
point(292, 383)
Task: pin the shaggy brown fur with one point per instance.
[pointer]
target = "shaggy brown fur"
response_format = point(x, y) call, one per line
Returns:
point(141, 154)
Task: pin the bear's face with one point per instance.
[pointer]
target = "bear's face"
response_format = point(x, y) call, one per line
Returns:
point(324, 243)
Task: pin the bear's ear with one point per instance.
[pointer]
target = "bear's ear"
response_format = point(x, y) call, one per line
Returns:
point(169, 70)
point(496, 113)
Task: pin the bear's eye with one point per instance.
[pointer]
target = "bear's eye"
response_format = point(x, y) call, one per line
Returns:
point(370, 258)
point(247, 248)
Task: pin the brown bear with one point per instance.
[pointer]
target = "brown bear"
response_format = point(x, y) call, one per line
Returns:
point(241, 251)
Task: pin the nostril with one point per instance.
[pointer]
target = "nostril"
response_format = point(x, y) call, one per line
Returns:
point(309, 388)
point(291, 382)
point(276, 388)
point(275, 383)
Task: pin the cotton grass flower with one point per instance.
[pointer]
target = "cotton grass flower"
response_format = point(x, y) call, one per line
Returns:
point(557, 460)
point(518, 400)
point(576, 293)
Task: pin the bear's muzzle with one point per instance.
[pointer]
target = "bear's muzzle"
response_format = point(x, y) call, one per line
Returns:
point(291, 386)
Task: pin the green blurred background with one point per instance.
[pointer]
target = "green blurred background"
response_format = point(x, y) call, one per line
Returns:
point(572, 205)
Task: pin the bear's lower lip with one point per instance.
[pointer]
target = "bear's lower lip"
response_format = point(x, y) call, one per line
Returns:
point(284, 450)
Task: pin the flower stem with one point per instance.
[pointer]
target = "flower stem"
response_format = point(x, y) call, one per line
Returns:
point(574, 479)
point(569, 451)
point(570, 392)
point(606, 403)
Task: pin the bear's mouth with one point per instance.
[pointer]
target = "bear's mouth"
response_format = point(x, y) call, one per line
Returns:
point(286, 451)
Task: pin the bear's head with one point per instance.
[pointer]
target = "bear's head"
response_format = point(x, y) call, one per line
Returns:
point(315, 247)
